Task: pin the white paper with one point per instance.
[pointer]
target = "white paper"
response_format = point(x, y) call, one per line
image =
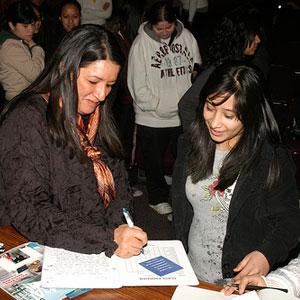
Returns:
point(194, 293)
point(66, 269)
point(270, 294)
point(133, 274)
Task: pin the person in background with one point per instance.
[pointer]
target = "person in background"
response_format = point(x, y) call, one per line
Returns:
point(69, 16)
point(236, 37)
point(95, 11)
point(287, 277)
point(63, 182)
point(124, 24)
point(239, 212)
point(191, 7)
point(160, 68)
point(38, 22)
point(21, 59)
point(45, 22)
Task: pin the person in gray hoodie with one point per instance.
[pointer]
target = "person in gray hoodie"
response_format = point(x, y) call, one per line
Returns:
point(160, 67)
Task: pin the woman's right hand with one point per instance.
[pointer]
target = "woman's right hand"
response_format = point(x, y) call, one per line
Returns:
point(130, 240)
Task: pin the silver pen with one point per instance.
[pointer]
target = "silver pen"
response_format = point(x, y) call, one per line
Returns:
point(129, 221)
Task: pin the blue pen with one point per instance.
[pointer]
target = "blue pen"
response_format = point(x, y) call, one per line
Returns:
point(129, 220)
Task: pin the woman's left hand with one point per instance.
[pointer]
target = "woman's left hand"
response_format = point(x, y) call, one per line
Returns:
point(250, 279)
point(253, 263)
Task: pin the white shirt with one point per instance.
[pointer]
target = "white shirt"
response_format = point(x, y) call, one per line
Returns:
point(95, 11)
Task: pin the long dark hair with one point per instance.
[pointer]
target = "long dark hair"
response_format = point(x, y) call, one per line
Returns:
point(78, 49)
point(21, 12)
point(231, 36)
point(246, 83)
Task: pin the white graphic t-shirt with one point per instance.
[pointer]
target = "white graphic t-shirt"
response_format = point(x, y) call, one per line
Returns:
point(208, 227)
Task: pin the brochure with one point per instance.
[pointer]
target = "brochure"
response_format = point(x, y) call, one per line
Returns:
point(20, 274)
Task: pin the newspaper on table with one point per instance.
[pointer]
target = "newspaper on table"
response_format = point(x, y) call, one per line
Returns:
point(20, 274)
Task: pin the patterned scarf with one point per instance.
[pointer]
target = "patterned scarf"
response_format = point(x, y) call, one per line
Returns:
point(105, 181)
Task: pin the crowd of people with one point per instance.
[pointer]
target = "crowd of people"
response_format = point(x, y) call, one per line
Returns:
point(87, 88)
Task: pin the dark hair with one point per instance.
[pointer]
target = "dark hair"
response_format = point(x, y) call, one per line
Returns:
point(246, 83)
point(21, 12)
point(232, 35)
point(127, 17)
point(161, 11)
point(79, 48)
point(69, 2)
point(248, 20)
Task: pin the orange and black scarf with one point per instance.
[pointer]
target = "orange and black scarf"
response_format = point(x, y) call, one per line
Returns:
point(105, 181)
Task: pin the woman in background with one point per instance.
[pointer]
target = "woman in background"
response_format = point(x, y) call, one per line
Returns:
point(239, 210)
point(161, 64)
point(21, 59)
point(69, 15)
point(63, 183)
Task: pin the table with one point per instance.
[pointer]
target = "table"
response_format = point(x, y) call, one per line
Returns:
point(11, 239)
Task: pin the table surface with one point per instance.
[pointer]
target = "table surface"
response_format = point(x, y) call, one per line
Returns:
point(11, 239)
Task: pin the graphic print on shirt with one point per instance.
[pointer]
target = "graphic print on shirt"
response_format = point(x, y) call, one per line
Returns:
point(174, 60)
point(220, 200)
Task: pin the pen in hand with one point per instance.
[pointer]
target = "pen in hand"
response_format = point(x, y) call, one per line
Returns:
point(250, 287)
point(129, 221)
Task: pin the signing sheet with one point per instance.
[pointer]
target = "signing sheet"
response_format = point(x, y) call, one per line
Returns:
point(67, 269)
point(162, 263)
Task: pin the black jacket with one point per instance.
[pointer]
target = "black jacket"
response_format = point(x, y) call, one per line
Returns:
point(48, 197)
point(267, 221)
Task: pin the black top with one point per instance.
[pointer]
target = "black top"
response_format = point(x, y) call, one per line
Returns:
point(259, 219)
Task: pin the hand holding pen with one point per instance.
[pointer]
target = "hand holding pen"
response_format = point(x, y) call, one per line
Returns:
point(129, 238)
point(248, 283)
point(129, 221)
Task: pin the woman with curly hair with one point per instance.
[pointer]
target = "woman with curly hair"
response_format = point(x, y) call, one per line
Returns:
point(237, 37)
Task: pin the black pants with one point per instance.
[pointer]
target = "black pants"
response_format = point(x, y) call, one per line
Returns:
point(154, 142)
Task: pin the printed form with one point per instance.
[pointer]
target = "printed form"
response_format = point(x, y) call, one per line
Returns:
point(62, 269)
point(135, 272)
point(163, 263)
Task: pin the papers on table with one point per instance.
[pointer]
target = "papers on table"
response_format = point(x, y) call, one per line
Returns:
point(135, 272)
point(20, 274)
point(62, 268)
point(163, 263)
point(268, 294)
point(192, 293)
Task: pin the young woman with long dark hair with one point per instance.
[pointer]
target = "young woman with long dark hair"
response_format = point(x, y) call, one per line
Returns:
point(236, 204)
